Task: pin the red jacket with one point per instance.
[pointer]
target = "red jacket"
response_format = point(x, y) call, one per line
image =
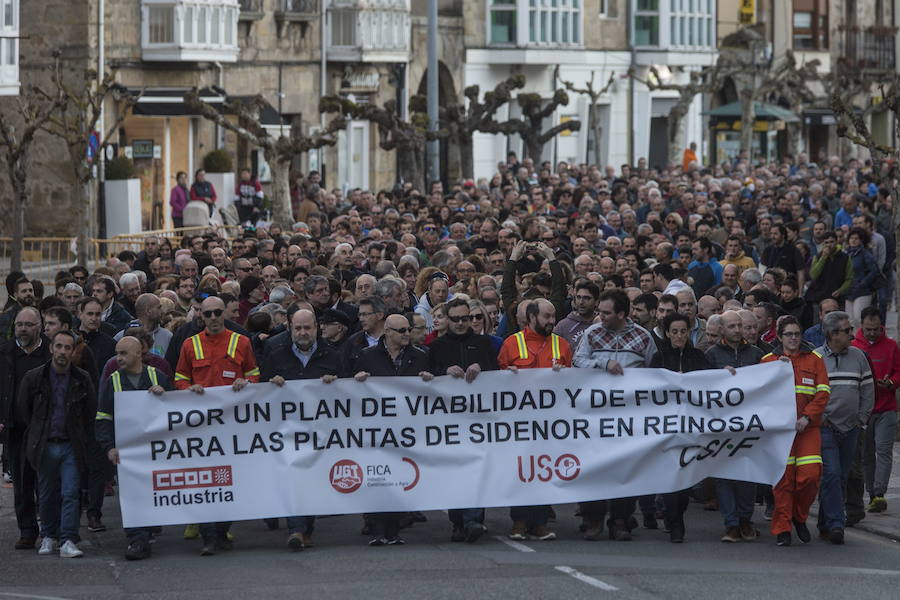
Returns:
point(884, 355)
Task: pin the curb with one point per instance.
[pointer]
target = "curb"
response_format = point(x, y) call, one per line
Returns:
point(894, 536)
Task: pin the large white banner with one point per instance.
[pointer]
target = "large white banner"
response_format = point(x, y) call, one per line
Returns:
point(399, 444)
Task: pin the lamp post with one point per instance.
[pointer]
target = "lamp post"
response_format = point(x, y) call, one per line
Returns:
point(433, 153)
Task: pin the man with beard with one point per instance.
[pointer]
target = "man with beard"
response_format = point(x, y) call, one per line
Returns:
point(584, 305)
point(22, 296)
point(462, 353)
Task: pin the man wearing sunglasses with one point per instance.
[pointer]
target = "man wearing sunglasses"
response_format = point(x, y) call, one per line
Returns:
point(462, 353)
point(846, 417)
point(214, 357)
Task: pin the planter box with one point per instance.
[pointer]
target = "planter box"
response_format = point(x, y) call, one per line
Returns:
point(123, 206)
point(224, 186)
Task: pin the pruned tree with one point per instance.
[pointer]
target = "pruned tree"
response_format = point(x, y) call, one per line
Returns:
point(594, 94)
point(852, 125)
point(79, 104)
point(18, 128)
point(708, 80)
point(280, 151)
point(530, 126)
point(462, 121)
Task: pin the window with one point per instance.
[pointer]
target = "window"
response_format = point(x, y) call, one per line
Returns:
point(646, 23)
point(162, 24)
point(503, 22)
point(343, 28)
point(215, 25)
point(202, 19)
point(674, 23)
point(189, 25)
point(810, 24)
point(229, 31)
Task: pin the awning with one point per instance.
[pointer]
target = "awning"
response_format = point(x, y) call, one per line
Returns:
point(169, 102)
point(764, 112)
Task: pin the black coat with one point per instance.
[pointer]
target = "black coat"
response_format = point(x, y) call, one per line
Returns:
point(378, 363)
point(14, 363)
point(464, 350)
point(681, 360)
point(281, 360)
point(102, 346)
point(34, 408)
point(350, 350)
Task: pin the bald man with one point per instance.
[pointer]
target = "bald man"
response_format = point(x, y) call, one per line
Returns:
point(303, 355)
point(148, 309)
point(131, 375)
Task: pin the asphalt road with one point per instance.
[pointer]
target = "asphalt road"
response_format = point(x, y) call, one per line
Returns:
point(429, 566)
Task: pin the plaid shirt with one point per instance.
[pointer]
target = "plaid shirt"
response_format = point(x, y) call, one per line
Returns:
point(631, 347)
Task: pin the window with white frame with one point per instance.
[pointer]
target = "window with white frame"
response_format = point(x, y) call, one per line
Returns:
point(679, 24)
point(9, 47)
point(503, 22)
point(190, 29)
point(535, 22)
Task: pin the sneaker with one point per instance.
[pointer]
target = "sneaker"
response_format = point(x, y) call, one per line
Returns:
point(748, 532)
point(473, 532)
point(307, 540)
point(518, 531)
point(732, 535)
point(458, 535)
point(594, 531)
point(378, 541)
point(877, 505)
point(7, 478)
point(48, 546)
point(395, 541)
point(836, 536)
point(208, 549)
point(192, 532)
point(137, 551)
point(295, 542)
point(676, 533)
point(229, 536)
point(619, 532)
point(784, 538)
point(25, 543)
point(95, 525)
point(802, 532)
point(768, 513)
point(70, 550)
point(541, 534)
point(650, 522)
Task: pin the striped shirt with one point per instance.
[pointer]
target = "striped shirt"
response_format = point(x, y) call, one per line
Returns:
point(852, 388)
point(632, 346)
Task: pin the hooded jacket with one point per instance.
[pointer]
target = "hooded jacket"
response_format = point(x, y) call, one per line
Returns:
point(680, 360)
point(572, 327)
point(884, 355)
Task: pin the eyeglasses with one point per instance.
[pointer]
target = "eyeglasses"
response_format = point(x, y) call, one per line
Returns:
point(847, 330)
point(400, 330)
point(462, 319)
point(791, 334)
point(478, 317)
point(216, 312)
point(245, 269)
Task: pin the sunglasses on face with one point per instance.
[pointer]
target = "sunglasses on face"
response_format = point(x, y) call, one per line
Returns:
point(216, 312)
point(478, 317)
point(464, 319)
point(400, 330)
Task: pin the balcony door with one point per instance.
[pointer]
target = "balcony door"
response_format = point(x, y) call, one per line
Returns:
point(353, 147)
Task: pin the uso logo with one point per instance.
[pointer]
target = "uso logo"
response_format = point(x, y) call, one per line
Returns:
point(544, 467)
point(181, 479)
point(345, 476)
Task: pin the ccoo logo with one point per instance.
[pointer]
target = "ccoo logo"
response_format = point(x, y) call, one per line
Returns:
point(346, 476)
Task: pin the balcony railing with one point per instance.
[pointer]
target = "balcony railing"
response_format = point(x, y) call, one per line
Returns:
point(189, 30)
point(871, 49)
point(362, 31)
point(251, 10)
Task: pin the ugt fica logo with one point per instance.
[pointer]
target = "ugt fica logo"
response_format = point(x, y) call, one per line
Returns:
point(566, 468)
point(346, 476)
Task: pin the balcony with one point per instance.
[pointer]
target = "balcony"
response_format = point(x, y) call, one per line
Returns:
point(189, 30)
point(9, 47)
point(871, 49)
point(251, 10)
point(368, 30)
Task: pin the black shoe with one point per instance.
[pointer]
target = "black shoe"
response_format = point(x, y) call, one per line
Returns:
point(137, 551)
point(802, 532)
point(418, 517)
point(618, 531)
point(650, 522)
point(95, 525)
point(208, 549)
point(25, 543)
point(474, 532)
point(784, 539)
point(396, 541)
point(272, 524)
point(377, 541)
point(836, 536)
point(676, 535)
point(458, 535)
point(224, 544)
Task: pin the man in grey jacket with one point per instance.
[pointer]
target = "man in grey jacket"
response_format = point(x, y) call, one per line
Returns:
point(846, 415)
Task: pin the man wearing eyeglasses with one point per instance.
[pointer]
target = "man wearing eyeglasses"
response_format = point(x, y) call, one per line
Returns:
point(462, 353)
point(846, 417)
point(215, 357)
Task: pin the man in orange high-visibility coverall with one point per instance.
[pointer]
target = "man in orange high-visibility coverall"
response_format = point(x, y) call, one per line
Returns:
point(799, 485)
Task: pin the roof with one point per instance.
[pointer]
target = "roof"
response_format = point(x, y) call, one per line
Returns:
point(765, 112)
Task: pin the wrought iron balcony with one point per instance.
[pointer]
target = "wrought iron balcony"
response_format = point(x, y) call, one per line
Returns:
point(868, 49)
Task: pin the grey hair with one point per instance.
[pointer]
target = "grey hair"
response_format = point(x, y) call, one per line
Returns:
point(129, 278)
point(713, 319)
point(751, 276)
point(386, 287)
point(72, 286)
point(831, 321)
point(280, 294)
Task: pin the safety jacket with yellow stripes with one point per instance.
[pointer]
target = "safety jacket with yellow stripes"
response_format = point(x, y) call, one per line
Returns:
point(530, 350)
point(119, 381)
point(212, 360)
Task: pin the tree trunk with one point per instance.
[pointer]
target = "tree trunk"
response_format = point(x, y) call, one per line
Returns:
point(794, 133)
point(282, 214)
point(18, 229)
point(597, 132)
point(82, 224)
point(466, 155)
point(410, 164)
point(676, 133)
point(533, 147)
point(748, 116)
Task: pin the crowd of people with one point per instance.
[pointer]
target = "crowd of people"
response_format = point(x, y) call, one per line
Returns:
point(684, 268)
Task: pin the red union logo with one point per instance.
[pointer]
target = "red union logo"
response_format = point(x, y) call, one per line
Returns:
point(345, 476)
point(543, 467)
point(180, 479)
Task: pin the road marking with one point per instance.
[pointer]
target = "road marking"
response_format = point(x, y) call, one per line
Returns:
point(30, 596)
point(587, 579)
point(515, 545)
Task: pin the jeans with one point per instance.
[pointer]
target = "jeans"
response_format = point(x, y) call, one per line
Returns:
point(59, 492)
point(676, 504)
point(878, 455)
point(735, 500)
point(855, 503)
point(24, 486)
point(463, 517)
point(534, 516)
point(838, 454)
point(301, 525)
point(100, 470)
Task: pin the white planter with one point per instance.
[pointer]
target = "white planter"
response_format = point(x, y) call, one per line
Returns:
point(224, 186)
point(123, 206)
